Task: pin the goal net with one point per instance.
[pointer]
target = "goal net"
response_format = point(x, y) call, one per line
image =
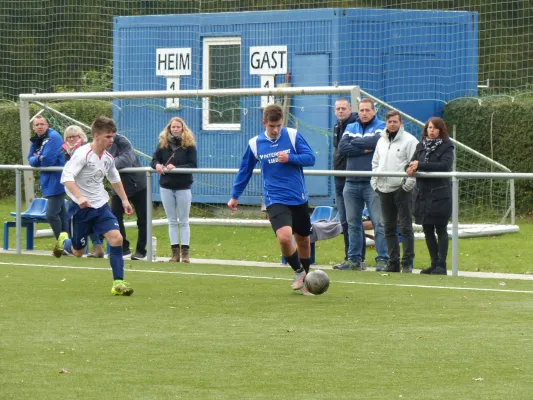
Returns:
point(68, 45)
point(487, 201)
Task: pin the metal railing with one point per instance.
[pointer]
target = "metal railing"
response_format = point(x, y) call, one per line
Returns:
point(455, 177)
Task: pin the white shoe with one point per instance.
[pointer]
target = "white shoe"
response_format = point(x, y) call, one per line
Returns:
point(298, 282)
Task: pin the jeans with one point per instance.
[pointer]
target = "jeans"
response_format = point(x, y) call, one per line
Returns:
point(56, 213)
point(339, 202)
point(177, 204)
point(396, 208)
point(138, 200)
point(356, 194)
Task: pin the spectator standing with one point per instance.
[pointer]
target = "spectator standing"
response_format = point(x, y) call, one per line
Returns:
point(45, 152)
point(393, 153)
point(345, 116)
point(282, 153)
point(176, 149)
point(433, 203)
point(135, 187)
point(358, 144)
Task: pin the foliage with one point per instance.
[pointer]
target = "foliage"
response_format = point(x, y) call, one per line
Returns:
point(498, 128)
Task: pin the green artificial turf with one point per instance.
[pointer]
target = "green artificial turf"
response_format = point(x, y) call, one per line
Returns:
point(202, 331)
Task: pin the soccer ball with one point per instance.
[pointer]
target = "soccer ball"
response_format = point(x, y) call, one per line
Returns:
point(317, 282)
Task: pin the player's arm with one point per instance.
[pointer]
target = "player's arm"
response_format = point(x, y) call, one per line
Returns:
point(246, 169)
point(119, 190)
point(82, 201)
point(114, 178)
point(305, 156)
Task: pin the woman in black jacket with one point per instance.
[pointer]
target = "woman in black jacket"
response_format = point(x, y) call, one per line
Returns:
point(433, 202)
point(176, 149)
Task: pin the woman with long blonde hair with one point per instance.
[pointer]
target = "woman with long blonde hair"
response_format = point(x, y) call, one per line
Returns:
point(176, 149)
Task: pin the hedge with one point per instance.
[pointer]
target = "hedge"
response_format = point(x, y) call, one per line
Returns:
point(512, 138)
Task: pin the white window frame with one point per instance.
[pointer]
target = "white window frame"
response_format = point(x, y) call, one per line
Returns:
point(209, 41)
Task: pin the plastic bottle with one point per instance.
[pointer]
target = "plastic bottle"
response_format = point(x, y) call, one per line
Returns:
point(154, 248)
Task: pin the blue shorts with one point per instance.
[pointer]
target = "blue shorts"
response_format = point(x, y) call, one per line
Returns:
point(88, 221)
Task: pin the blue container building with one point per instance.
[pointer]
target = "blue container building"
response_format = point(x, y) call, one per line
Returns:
point(414, 60)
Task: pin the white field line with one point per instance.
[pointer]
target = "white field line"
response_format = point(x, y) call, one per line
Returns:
point(272, 278)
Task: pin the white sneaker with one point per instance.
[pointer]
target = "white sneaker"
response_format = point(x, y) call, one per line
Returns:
point(298, 282)
point(306, 292)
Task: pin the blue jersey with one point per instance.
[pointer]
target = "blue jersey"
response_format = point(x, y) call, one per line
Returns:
point(283, 183)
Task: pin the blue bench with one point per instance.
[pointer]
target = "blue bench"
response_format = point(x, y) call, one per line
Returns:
point(36, 212)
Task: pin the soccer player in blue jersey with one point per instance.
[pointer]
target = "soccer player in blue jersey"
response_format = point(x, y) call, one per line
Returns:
point(83, 177)
point(282, 153)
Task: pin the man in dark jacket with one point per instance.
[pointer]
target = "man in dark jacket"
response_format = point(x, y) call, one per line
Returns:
point(345, 116)
point(135, 188)
point(45, 152)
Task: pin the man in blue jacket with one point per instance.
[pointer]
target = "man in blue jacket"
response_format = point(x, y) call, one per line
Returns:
point(282, 153)
point(45, 152)
point(358, 144)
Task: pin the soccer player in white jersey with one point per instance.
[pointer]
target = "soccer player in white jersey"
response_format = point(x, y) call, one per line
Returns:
point(83, 177)
point(282, 153)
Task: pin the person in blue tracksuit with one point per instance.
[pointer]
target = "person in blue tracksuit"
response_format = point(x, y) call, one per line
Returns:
point(282, 153)
point(358, 143)
point(45, 151)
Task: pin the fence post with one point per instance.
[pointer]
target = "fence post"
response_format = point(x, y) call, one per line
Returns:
point(455, 215)
point(18, 218)
point(149, 249)
point(24, 111)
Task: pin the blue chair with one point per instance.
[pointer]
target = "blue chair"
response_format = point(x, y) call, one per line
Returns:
point(322, 213)
point(36, 212)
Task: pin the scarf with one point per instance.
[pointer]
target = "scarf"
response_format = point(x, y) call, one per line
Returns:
point(174, 142)
point(430, 145)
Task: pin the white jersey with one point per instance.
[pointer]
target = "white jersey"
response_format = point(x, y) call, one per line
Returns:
point(87, 170)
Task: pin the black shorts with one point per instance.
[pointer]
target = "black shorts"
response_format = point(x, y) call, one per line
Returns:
point(297, 217)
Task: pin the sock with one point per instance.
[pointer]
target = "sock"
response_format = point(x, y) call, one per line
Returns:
point(117, 262)
point(294, 262)
point(175, 246)
point(67, 245)
point(306, 263)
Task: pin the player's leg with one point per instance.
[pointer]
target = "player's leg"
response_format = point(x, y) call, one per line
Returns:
point(301, 226)
point(280, 217)
point(107, 224)
point(81, 227)
point(118, 212)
